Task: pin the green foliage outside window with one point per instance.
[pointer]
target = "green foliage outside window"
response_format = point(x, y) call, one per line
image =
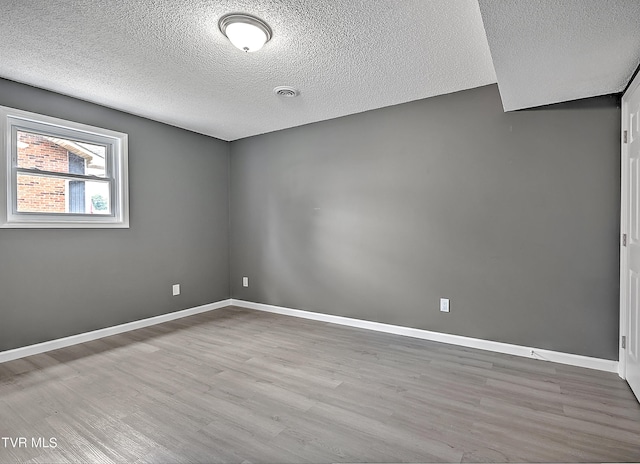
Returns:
point(99, 203)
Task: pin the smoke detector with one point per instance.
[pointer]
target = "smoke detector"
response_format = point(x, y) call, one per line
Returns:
point(286, 91)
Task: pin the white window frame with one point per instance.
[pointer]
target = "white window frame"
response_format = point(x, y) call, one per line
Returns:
point(116, 166)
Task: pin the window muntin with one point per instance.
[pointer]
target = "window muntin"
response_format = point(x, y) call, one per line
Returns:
point(62, 174)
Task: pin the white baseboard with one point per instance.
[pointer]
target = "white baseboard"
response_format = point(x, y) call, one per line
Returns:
point(499, 347)
point(17, 353)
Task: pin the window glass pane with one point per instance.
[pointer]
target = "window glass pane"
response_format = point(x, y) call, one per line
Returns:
point(97, 195)
point(39, 194)
point(48, 153)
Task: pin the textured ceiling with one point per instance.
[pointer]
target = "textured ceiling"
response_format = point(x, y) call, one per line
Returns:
point(548, 51)
point(167, 60)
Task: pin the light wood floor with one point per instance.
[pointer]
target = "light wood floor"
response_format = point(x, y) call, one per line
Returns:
point(235, 385)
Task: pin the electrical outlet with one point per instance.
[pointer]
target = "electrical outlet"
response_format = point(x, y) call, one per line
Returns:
point(444, 305)
point(245, 281)
point(176, 289)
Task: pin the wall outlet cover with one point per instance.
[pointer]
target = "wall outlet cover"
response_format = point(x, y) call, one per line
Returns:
point(444, 305)
point(176, 289)
point(245, 281)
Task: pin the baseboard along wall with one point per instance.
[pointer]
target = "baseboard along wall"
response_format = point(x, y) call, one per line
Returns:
point(43, 347)
point(488, 345)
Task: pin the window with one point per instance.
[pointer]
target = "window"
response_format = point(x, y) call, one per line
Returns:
point(61, 174)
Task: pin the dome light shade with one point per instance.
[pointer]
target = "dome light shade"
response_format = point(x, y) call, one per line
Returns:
point(245, 32)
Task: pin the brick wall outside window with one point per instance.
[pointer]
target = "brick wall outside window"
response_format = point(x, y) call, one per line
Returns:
point(41, 194)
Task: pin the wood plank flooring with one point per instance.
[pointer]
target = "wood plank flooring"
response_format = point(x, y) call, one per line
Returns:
point(236, 385)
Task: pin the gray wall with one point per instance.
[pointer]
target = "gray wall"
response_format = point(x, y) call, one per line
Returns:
point(513, 216)
point(55, 283)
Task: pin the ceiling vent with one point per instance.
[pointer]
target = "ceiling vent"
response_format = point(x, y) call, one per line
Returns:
point(285, 91)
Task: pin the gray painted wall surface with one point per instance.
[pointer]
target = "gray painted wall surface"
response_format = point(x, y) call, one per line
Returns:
point(55, 283)
point(513, 216)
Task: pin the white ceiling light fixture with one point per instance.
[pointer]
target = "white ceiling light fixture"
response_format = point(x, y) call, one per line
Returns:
point(245, 32)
